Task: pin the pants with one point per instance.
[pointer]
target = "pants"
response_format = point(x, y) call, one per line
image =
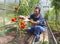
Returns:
point(36, 30)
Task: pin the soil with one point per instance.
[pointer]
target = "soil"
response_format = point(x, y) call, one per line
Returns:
point(57, 36)
point(12, 36)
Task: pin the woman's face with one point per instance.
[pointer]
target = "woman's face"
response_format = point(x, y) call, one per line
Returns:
point(36, 11)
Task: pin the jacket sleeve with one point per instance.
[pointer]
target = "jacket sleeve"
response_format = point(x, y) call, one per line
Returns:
point(30, 17)
point(41, 21)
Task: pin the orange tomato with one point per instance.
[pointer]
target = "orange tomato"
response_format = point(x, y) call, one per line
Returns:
point(22, 27)
point(14, 19)
point(22, 23)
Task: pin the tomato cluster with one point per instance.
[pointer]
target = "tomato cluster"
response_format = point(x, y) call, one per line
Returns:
point(22, 25)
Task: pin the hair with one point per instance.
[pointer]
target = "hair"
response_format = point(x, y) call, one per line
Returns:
point(38, 8)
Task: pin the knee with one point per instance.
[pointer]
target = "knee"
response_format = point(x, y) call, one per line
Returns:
point(37, 27)
point(40, 28)
point(44, 30)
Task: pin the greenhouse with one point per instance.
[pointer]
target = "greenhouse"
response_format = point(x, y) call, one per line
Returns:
point(15, 21)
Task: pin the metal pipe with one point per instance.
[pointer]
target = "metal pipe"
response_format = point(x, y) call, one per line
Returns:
point(4, 12)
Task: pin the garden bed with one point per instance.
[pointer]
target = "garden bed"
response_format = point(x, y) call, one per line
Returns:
point(57, 36)
point(55, 30)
